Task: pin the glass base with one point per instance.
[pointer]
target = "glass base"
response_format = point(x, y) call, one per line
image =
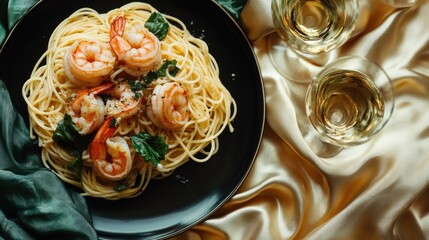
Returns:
point(294, 66)
point(318, 146)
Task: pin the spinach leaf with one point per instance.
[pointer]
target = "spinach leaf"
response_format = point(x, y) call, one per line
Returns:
point(151, 148)
point(67, 136)
point(157, 25)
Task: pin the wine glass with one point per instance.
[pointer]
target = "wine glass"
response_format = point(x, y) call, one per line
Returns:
point(309, 29)
point(349, 101)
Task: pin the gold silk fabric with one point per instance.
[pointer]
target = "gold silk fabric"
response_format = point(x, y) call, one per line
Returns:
point(377, 190)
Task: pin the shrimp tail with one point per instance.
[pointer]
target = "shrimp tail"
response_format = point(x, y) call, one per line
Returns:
point(101, 88)
point(111, 156)
point(117, 27)
point(97, 147)
point(86, 91)
point(117, 43)
point(119, 46)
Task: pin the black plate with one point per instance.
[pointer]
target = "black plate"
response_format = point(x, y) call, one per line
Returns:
point(194, 191)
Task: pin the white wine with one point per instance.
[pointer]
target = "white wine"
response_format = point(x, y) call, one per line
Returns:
point(314, 26)
point(346, 106)
point(350, 101)
point(313, 20)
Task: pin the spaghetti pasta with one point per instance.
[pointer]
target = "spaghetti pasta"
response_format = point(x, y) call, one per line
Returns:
point(49, 91)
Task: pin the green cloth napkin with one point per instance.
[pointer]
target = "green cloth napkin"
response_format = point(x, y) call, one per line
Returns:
point(10, 12)
point(34, 203)
point(234, 7)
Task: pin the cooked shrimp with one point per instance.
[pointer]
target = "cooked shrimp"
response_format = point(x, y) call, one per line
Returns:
point(138, 48)
point(168, 106)
point(88, 63)
point(123, 102)
point(87, 109)
point(111, 156)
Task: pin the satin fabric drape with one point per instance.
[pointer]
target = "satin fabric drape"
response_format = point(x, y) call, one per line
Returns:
point(377, 190)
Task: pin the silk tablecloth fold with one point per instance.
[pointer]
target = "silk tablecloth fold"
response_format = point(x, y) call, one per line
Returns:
point(378, 190)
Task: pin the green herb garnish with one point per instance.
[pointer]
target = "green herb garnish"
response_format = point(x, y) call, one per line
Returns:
point(170, 66)
point(149, 78)
point(114, 123)
point(67, 136)
point(77, 165)
point(151, 148)
point(66, 133)
point(167, 65)
point(122, 185)
point(157, 25)
point(136, 87)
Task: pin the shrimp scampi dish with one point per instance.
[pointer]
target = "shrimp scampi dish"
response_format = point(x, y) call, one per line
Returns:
point(125, 97)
